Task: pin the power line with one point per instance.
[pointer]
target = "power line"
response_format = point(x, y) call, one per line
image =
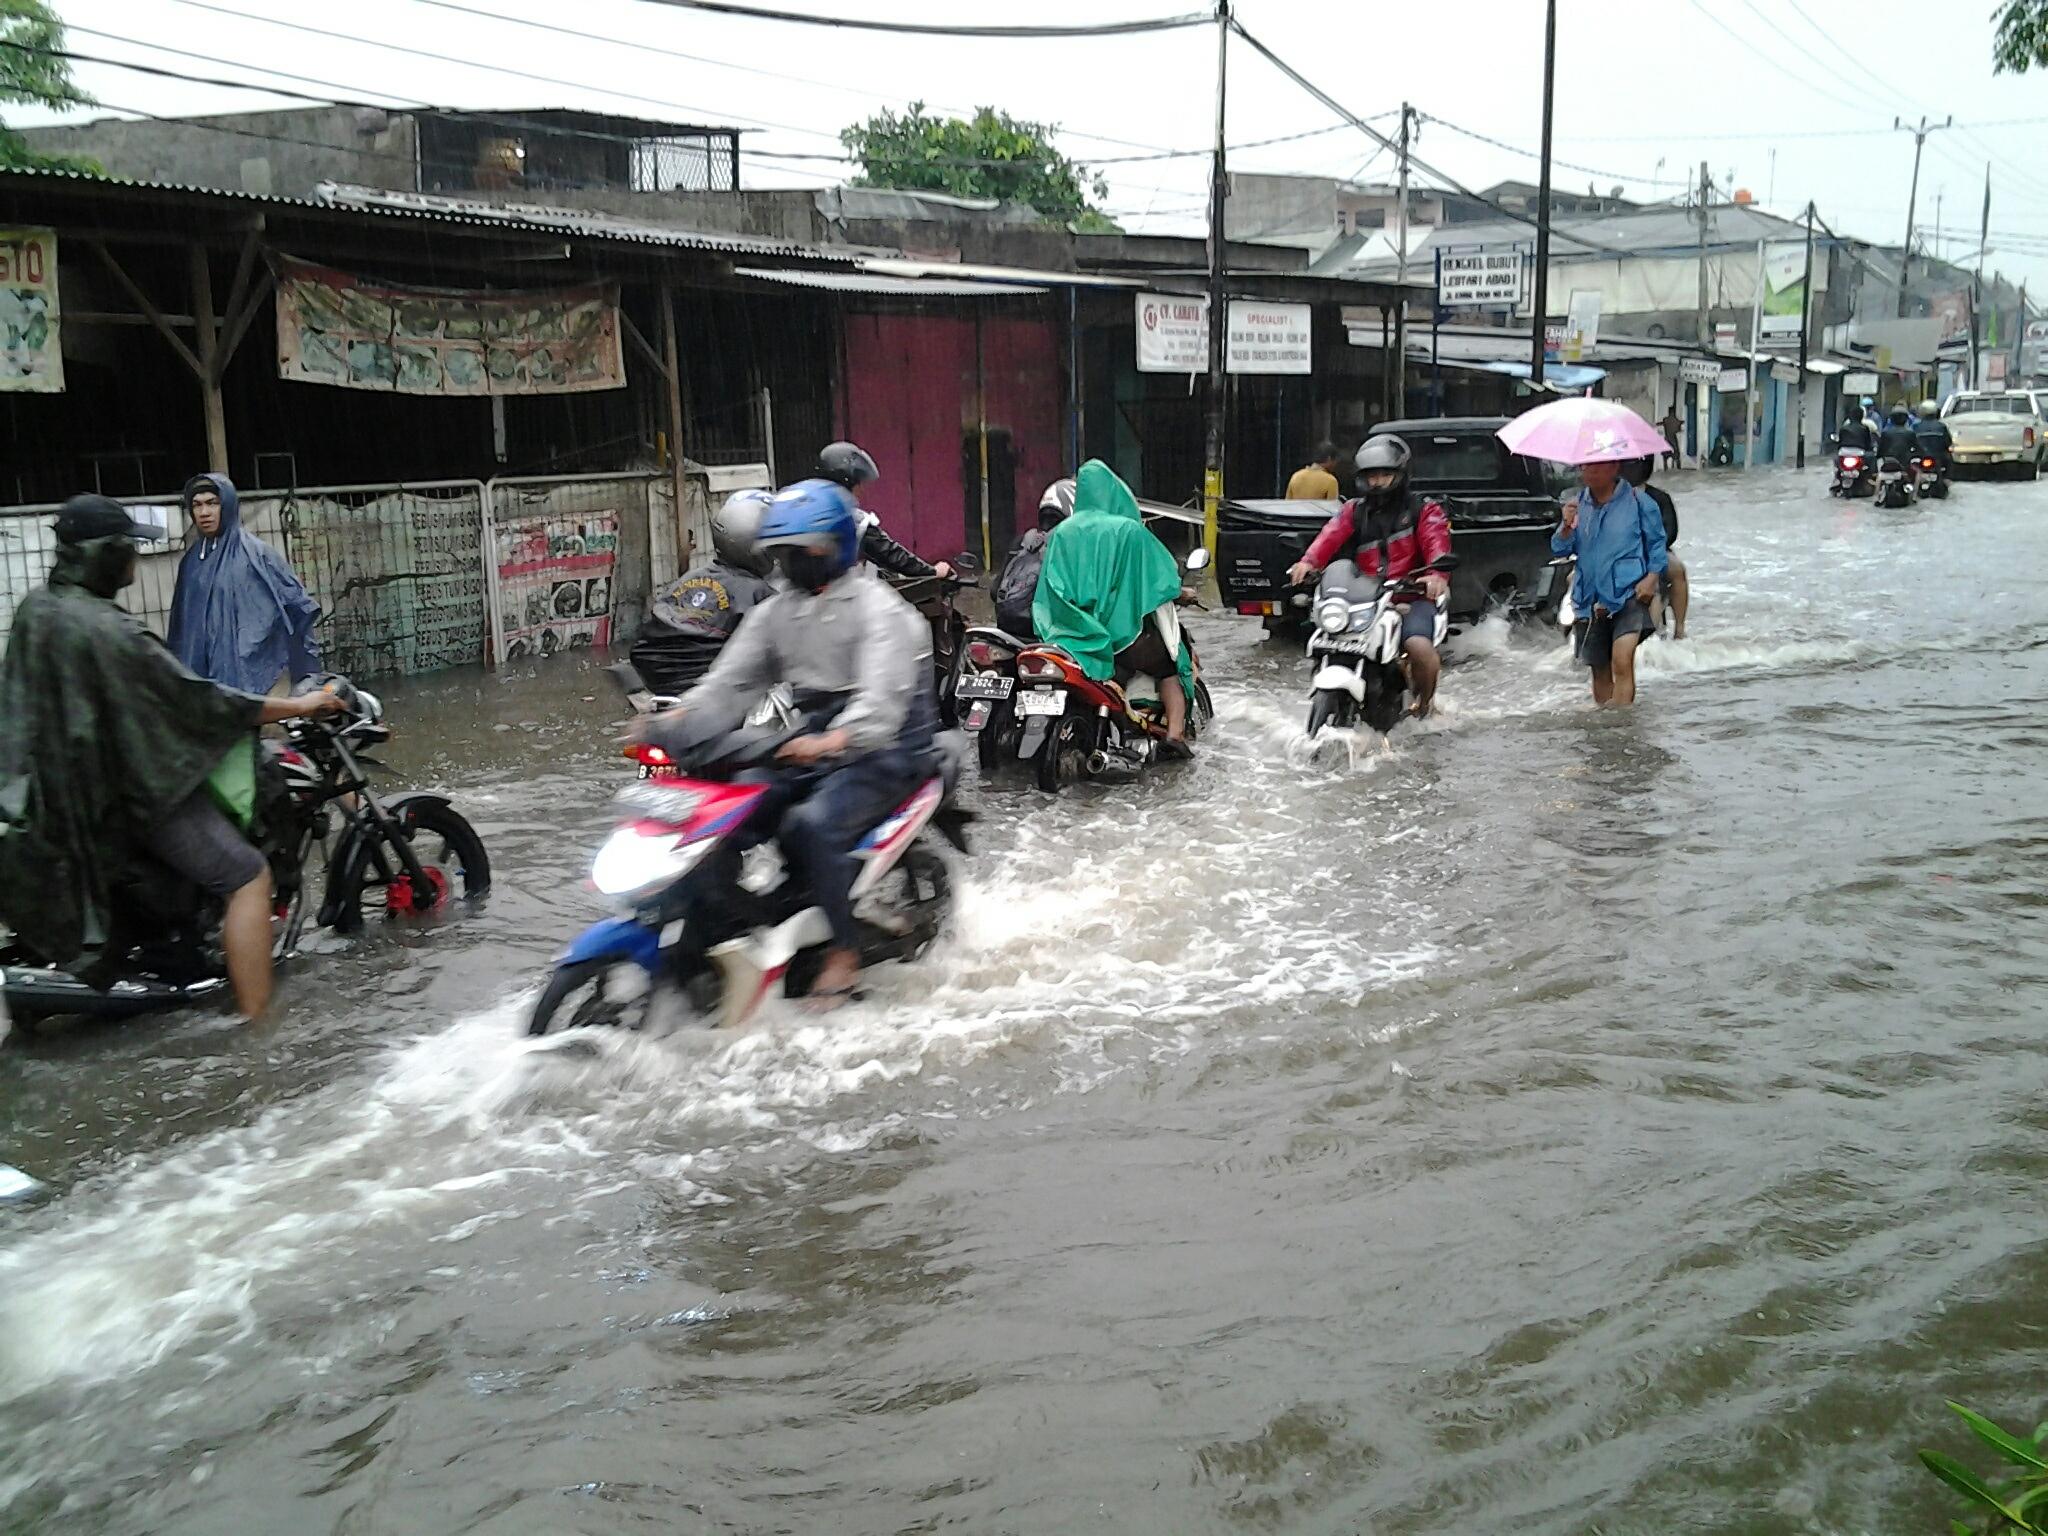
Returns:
point(940, 29)
point(1530, 154)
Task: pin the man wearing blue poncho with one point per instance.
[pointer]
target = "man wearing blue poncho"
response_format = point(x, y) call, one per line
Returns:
point(239, 616)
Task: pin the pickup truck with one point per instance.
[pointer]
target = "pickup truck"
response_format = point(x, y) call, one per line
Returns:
point(1502, 508)
point(1996, 427)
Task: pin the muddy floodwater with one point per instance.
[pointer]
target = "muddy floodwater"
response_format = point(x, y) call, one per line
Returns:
point(1563, 1122)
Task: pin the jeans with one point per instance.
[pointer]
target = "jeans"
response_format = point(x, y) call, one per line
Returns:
point(836, 810)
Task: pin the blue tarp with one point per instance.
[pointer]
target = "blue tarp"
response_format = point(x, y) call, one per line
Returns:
point(1570, 376)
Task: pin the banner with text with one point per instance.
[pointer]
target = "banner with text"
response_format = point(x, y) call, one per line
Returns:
point(336, 329)
point(1173, 336)
point(1784, 291)
point(1173, 333)
point(1467, 279)
point(31, 360)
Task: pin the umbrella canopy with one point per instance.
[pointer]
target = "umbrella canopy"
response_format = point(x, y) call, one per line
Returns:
point(1582, 431)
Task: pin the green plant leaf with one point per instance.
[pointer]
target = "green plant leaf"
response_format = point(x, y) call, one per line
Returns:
point(2011, 1447)
point(1967, 1483)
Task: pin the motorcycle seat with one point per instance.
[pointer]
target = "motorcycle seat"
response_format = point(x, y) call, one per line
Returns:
point(999, 636)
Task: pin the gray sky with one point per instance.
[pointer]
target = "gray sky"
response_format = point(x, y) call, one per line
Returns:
point(1647, 88)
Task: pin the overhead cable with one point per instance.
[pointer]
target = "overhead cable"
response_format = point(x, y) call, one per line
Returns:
point(947, 29)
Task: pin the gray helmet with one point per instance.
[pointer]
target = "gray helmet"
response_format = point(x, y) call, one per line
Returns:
point(733, 527)
point(846, 464)
point(1383, 450)
point(1057, 504)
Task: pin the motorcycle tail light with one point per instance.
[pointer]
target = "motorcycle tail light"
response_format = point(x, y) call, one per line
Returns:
point(983, 654)
point(650, 756)
point(1039, 666)
point(1852, 462)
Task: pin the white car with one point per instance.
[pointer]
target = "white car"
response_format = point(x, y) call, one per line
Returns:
point(1991, 427)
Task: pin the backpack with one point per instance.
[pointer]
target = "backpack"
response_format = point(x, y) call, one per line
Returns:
point(1018, 584)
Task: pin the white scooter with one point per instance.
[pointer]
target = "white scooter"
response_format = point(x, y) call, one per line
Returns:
point(1354, 646)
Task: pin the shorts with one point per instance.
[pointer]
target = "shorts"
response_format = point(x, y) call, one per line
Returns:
point(1598, 631)
point(1418, 620)
point(201, 844)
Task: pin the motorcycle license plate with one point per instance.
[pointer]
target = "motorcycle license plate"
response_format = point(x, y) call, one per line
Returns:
point(1348, 645)
point(1042, 701)
point(983, 685)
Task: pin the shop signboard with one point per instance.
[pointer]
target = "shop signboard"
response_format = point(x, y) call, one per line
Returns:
point(1469, 279)
point(31, 357)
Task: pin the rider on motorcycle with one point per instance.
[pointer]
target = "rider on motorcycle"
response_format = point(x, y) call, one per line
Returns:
point(1396, 535)
point(1932, 435)
point(831, 627)
point(1897, 440)
point(107, 744)
point(1107, 594)
point(848, 465)
point(691, 618)
point(1856, 433)
point(1018, 584)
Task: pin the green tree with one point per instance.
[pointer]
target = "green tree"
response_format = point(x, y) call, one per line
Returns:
point(2021, 41)
point(990, 155)
point(32, 74)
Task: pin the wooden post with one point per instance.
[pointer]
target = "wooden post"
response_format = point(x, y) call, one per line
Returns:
point(209, 369)
point(674, 368)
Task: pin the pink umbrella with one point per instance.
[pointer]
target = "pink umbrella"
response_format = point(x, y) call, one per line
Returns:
point(1580, 430)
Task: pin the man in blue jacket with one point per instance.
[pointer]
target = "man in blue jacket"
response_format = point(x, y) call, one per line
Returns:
point(1617, 533)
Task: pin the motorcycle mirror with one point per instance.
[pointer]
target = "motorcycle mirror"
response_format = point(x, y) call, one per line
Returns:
point(967, 563)
point(1199, 560)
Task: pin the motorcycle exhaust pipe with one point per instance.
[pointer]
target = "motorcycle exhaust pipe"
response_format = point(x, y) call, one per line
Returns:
point(1097, 761)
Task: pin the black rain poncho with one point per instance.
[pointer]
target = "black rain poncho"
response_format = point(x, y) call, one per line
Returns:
point(102, 732)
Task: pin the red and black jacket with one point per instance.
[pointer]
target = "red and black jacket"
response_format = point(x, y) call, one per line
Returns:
point(1419, 533)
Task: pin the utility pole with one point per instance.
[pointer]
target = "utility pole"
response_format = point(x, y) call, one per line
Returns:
point(1540, 306)
point(1219, 307)
point(1805, 316)
point(1756, 341)
point(1706, 186)
point(1977, 288)
point(1397, 408)
point(1919, 139)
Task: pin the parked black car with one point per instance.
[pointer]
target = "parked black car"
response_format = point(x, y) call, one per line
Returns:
point(1502, 508)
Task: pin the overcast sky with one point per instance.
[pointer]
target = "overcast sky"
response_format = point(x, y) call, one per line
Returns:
point(1646, 89)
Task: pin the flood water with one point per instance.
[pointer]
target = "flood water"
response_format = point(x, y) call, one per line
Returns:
point(1567, 1121)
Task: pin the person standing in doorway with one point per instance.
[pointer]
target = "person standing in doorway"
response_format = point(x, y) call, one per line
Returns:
point(1617, 533)
point(1671, 427)
point(1317, 479)
point(239, 617)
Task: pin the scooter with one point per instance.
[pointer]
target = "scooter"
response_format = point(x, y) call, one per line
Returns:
point(409, 855)
point(1933, 478)
point(1895, 486)
point(710, 914)
point(1354, 650)
point(1075, 726)
point(984, 691)
point(936, 597)
point(1855, 474)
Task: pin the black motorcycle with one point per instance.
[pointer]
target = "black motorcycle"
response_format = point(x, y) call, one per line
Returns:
point(407, 856)
point(1855, 473)
point(937, 598)
point(1933, 477)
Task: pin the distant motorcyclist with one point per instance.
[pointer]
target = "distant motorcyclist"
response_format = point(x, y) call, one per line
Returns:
point(690, 620)
point(107, 745)
point(848, 465)
point(1897, 441)
point(1018, 584)
point(1392, 532)
point(1856, 433)
point(835, 628)
point(1932, 435)
point(1872, 417)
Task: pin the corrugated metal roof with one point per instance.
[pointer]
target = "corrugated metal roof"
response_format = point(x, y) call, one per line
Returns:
point(522, 218)
point(955, 270)
point(876, 282)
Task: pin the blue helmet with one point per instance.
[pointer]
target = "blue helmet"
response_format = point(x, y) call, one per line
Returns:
point(808, 511)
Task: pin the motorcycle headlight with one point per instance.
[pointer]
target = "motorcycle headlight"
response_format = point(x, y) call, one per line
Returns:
point(658, 802)
point(1334, 616)
point(633, 862)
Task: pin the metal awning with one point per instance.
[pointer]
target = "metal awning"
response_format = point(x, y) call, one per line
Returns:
point(967, 271)
point(1555, 375)
point(877, 282)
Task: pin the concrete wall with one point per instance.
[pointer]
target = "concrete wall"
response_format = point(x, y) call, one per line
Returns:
point(283, 154)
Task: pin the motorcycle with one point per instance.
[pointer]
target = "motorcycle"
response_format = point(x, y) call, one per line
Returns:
point(1895, 487)
point(1933, 478)
point(1354, 650)
point(1855, 473)
point(936, 598)
point(986, 684)
point(710, 914)
point(407, 856)
point(1072, 725)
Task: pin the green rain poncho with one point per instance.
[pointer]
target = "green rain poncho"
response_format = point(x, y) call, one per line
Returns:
point(1104, 573)
point(102, 732)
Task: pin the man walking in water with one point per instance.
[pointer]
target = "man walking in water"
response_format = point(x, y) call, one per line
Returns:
point(1617, 533)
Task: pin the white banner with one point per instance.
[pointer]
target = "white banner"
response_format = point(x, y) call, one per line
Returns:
point(1581, 323)
point(1859, 383)
point(1733, 381)
point(1173, 334)
point(1698, 370)
point(1480, 277)
point(1269, 338)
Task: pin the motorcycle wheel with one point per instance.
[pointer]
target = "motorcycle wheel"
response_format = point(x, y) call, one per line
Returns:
point(1046, 766)
point(1332, 709)
point(446, 845)
point(582, 996)
point(993, 743)
point(1205, 707)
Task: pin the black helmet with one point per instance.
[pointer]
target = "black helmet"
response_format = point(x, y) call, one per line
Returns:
point(1638, 471)
point(1899, 414)
point(1057, 504)
point(1382, 451)
point(847, 464)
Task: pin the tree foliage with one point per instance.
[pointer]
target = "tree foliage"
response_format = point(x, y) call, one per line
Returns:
point(2021, 41)
point(32, 74)
point(990, 155)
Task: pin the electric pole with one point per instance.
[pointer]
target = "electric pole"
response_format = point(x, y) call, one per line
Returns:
point(1397, 408)
point(1219, 316)
point(1977, 287)
point(1919, 139)
point(1805, 314)
point(1540, 305)
point(1706, 186)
